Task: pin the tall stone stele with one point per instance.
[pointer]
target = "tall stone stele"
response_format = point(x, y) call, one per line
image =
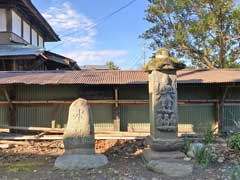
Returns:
point(163, 155)
point(79, 141)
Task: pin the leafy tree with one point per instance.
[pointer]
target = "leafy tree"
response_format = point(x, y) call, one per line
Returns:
point(111, 65)
point(205, 31)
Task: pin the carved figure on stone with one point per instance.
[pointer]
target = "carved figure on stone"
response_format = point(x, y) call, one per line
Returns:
point(164, 117)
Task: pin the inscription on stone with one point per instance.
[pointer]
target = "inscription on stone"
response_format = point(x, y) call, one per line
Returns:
point(79, 140)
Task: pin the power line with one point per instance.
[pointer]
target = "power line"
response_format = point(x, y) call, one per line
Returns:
point(100, 21)
point(136, 62)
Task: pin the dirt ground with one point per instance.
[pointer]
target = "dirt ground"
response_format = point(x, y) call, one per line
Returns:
point(35, 161)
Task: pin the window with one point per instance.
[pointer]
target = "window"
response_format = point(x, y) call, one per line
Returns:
point(34, 38)
point(3, 20)
point(26, 32)
point(16, 24)
point(40, 42)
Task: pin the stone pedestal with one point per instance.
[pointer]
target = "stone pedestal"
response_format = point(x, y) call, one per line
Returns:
point(164, 155)
point(79, 142)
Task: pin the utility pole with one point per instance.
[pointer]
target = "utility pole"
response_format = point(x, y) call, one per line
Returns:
point(144, 53)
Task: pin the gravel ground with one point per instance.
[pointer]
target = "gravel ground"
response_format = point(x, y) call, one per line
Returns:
point(35, 161)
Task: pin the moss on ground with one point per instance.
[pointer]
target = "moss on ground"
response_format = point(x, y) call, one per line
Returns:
point(15, 167)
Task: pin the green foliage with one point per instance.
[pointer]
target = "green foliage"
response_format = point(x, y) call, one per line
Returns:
point(185, 146)
point(206, 156)
point(234, 141)
point(209, 137)
point(111, 65)
point(235, 175)
point(206, 32)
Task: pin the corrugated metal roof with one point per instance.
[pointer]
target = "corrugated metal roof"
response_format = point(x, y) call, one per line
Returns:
point(114, 77)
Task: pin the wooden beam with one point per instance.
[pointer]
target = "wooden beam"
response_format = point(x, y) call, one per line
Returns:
point(134, 102)
point(89, 101)
point(7, 96)
point(9, 19)
point(12, 109)
point(116, 121)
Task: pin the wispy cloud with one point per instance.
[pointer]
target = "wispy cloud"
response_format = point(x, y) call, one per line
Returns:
point(73, 26)
point(78, 32)
point(98, 56)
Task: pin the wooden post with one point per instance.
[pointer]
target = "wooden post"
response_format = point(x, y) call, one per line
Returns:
point(56, 109)
point(10, 95)
point(220, 107)
point(14, 68)
point(116, 111)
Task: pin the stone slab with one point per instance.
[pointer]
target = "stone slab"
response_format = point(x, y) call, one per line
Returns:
point(149, 155)
point(171, 168)
point(80, 161)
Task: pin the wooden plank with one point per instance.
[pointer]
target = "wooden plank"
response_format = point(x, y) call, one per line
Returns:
point(50, 130)
point(46, 138)
point(114, 135)
point(14, 142)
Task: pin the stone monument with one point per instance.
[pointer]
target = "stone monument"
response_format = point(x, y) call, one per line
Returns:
point(79, 141)
point(164, 156)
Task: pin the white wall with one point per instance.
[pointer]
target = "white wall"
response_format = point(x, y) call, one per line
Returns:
point(16, 24)
point(34, 38)
point(26, 32)
point(3, 20)
point(40, 42)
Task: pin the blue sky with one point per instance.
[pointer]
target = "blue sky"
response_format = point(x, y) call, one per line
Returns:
point(117, 39)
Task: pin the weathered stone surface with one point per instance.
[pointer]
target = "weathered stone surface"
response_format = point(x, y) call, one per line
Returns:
point(80, 161)
point(79, 132)
point(172, 168)
point(165, 144)
point(163, 105)
point(79, 140)
point(149, 155)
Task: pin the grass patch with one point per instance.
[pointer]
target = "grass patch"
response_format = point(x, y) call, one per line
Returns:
point(15, 167)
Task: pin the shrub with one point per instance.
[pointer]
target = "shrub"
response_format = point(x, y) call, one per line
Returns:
point(235, 175)
point(206, 156)
point(209, 137)
point(234, 141)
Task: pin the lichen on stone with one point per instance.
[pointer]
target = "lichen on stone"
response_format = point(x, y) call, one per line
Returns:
point(162, 61)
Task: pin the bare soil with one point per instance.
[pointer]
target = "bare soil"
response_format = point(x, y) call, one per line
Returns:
point(35, 161)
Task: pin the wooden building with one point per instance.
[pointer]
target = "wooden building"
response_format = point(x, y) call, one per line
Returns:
point(23, 33)
point(119, 99)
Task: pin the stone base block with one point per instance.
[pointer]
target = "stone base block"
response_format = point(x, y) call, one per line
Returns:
point(168, 163)
point(149, 155)
point(171, 168)
point(80, 161)
point(164, 144)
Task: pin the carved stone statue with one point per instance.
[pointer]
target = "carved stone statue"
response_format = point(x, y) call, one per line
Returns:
point(163, 140)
